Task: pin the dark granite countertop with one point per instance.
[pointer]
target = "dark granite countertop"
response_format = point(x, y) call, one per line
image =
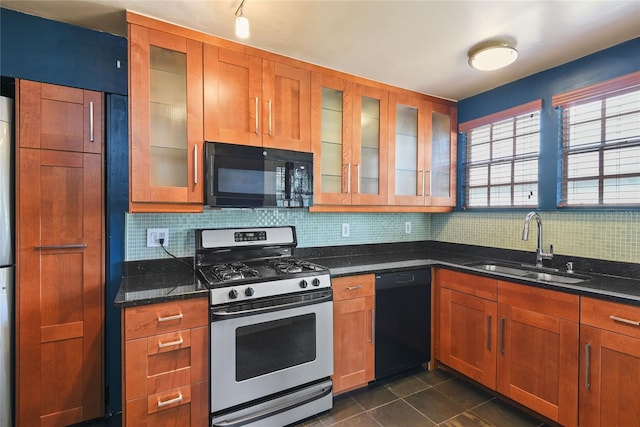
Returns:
point(153, 281)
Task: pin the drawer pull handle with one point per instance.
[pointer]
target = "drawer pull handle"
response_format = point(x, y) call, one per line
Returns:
point(170, 401)
point(623, 320)
point(353, 288)
point(171, 343)
point(169, 318)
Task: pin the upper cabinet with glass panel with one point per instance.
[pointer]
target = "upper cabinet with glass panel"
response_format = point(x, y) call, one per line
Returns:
point(422, 152)
point(166, 126)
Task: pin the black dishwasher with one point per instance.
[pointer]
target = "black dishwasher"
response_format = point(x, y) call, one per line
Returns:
point(402, 321)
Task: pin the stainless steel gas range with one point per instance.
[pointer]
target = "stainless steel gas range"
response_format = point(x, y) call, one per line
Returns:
point(271, 327)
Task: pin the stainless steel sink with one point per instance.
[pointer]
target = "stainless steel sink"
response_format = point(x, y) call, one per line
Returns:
point(530, 272)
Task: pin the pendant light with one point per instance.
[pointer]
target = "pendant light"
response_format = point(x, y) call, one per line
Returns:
point(242, 22)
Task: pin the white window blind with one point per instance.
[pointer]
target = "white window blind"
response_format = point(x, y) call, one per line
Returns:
point(502, 158)
point(600, 144)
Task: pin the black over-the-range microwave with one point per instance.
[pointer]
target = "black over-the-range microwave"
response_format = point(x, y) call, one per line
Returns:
point(246, 176)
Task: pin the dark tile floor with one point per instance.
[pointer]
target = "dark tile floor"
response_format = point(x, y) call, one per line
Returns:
point(416, 399)
point(421, 399)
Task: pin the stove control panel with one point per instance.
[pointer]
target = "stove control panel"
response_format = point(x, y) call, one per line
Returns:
point(244, 292)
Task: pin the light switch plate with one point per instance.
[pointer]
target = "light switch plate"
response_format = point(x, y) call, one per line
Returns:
point(345, 230)
point(407, 227)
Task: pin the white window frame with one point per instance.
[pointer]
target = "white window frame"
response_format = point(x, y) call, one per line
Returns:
point(522, 188)
point(601, 166)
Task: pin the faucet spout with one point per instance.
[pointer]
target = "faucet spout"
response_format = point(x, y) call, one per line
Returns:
point(540, 254)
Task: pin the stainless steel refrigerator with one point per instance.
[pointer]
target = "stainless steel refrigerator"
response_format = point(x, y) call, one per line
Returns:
point(6, 261)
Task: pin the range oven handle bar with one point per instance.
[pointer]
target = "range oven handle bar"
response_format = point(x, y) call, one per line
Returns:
point(222, 313)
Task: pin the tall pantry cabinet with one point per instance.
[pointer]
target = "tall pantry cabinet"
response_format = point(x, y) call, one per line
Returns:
point(60, 255)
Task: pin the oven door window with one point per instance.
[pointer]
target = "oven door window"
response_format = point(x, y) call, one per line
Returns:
point(276, 345)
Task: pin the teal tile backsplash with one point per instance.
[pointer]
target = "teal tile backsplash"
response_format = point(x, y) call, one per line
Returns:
point(608, 235)
point(313, 229)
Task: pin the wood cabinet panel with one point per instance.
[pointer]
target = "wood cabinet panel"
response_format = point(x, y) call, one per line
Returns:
point(353, 286)
point(232, 93)
point(353, 343)
point(538, 358)
point(609, 364)
point(165, 365)
point(152, 191)
point(483, 287)
point(60, 258)
point(165, 317)
point(467, 335)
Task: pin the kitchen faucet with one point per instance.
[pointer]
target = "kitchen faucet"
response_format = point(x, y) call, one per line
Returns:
point(540, 254)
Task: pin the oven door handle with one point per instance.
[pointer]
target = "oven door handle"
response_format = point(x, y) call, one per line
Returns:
point(223, 314)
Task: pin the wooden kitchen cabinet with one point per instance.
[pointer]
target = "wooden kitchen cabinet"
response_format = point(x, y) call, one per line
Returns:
point(249, 100)
point(349, 132)
point(165, 364)
point(353, 331)
point(609, 363)
point(519, 340)
point(422, 152)
point(466, 329)
point(538, 350)
point(60, 255)
point(165, 120)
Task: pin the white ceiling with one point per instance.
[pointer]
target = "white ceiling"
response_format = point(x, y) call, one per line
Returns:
point(418, 45)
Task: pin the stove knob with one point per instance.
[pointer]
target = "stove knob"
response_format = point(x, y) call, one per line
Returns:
point(249, 292)
point(233, 294)
point(303, 283)
point(316, 282)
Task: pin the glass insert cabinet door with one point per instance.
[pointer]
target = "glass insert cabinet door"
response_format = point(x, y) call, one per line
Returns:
point(369, 155)
point(331, 127)
point(443, 156)
point(166, 123)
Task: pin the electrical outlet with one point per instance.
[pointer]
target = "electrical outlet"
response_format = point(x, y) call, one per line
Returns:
point(155, 234)
point(407, 227)
point(345, 230)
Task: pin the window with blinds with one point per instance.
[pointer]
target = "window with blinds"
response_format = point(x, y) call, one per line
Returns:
point(502, 158)
point(600, 144)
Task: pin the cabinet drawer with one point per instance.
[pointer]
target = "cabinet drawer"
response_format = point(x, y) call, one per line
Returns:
point(483, 287)
point(165, 317)
point(611, 316)
point(171, 407)
point(353, 286)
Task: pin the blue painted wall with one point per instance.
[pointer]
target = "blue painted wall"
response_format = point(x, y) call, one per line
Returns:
point(604, 65)
point(49, 51)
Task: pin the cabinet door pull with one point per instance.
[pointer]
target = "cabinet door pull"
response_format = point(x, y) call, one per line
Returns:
point(430, 181)
point(171, 343)
point(422, 178)
point(489, 332)
point(625, 321)
point(501, 336)
point(91, 136)
point(73, 246)
point(353, 288)
point(587, 366)
point(358, 176)
point(178, 399)
point(270, 121)
point(195, 164)
point(169, 318)
point(373, 327)
point(348, 177)
point(257, 118)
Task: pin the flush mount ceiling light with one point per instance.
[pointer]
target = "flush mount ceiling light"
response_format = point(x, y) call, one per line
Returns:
point(242, 22)
point(487, 57)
